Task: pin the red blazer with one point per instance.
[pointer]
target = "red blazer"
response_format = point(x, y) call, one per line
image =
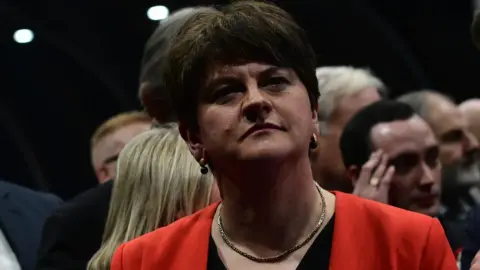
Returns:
point(367, 235)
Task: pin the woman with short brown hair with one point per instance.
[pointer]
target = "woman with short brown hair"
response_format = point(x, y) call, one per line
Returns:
point(243, 83)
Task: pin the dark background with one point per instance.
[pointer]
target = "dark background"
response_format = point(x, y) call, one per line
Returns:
point(82, 67)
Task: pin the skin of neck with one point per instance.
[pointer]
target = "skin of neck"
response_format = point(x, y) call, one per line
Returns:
point(269, 206)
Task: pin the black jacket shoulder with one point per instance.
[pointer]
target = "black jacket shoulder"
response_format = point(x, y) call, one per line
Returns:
point(74, 232)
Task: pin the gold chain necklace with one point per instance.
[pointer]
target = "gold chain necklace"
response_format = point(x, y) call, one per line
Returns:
point(282, 255)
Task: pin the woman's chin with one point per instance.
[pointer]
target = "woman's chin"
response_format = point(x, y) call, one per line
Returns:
point(265, 152)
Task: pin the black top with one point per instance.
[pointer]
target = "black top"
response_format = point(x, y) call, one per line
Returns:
point(73, 234)
point(317, 257)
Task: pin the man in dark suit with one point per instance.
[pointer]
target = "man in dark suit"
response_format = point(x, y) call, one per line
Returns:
point(74, 233)
point(22, 214)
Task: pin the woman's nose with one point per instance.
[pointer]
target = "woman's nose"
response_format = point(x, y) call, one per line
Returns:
point(256, 106)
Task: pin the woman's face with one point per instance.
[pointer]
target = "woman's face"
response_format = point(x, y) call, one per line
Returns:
point(253, 112)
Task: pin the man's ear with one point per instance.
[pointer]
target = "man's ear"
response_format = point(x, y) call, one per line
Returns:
point(352, 173)
point(192, 138)
point(147, 99)
point(102, 174)
point(157, 103)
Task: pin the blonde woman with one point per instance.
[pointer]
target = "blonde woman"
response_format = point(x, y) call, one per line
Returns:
point(158, 181)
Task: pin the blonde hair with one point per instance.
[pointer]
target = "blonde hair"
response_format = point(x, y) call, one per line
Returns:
point(157, 180)
point(340, 81)
point(116, 122)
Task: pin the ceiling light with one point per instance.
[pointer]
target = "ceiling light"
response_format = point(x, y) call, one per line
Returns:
point(23, 36)
point(158, 13)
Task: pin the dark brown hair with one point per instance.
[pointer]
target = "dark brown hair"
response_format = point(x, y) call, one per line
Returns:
point(242, 32)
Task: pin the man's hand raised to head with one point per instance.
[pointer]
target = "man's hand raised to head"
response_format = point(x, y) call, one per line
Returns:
point(374, 180)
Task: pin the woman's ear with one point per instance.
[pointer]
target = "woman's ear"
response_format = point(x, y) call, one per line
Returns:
point(192, 138)
point(315, 115)
point(316, 127)
point(352, 173)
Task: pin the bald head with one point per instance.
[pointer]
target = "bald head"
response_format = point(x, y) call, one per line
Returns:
point(471, 111)
point(447, 122)
point(470, 104)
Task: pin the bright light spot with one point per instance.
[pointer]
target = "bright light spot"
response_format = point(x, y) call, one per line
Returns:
point(23, 36)
point(158, 13)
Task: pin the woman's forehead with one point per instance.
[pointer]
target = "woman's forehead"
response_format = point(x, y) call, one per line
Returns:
point(249, 69)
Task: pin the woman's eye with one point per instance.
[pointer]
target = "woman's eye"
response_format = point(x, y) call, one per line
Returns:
point(226, 93)
point(277, 81)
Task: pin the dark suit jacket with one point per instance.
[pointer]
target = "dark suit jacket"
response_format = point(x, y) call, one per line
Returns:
point(367, 235)
point(74, 232)
point(22, 215)
point(472, 240)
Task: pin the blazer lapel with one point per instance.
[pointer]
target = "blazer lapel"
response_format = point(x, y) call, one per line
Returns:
point(350, 237)
point(196, 248)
